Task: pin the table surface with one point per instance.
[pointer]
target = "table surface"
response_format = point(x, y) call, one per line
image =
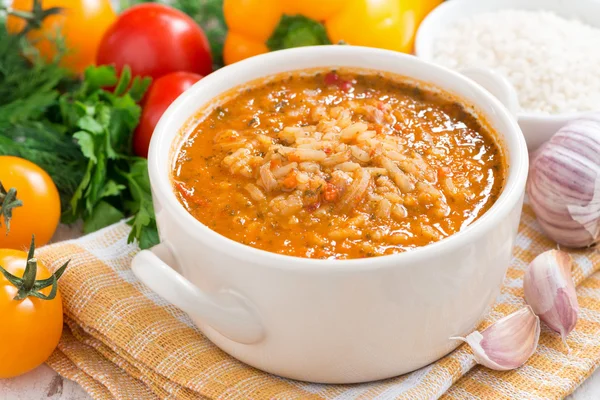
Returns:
point(44, 383)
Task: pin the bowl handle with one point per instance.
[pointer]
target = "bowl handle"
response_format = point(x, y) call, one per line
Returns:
point(496, 84)
point(227, 312)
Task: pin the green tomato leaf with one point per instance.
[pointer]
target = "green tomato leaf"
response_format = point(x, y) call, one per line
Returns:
point(103, 215)
point(297, 31)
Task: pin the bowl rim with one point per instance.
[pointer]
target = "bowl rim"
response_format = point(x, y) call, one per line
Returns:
point(161, 184)
point(424, 39)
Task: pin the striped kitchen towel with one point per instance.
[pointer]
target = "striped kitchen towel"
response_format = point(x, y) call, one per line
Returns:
point(122, 341)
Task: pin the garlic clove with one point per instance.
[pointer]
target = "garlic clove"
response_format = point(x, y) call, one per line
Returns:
point(589, 215)
point(508, 343)
point(550, 291)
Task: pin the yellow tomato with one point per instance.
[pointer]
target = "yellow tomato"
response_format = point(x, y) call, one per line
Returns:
point(81, 23)
point(40, 213)
point(31, 327)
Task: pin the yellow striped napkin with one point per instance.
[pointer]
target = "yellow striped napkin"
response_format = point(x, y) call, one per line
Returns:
point(122, 341)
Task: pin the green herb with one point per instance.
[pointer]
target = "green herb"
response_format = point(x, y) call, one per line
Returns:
point(48, 146)
point(27, 87)
point(115, 183)
point(29, 91)
point(80, 134)
point(297, 31)
point(143, 222)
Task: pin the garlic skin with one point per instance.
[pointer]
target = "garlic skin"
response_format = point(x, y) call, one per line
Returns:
point(550, 291)
point(508, 343)
point(564, 183)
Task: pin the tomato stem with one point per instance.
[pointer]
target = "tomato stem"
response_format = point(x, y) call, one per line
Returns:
point(28, 285)
point(35, 17)
point(8, 202)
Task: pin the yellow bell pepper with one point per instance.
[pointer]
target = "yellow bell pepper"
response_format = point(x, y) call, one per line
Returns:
point(258, 26)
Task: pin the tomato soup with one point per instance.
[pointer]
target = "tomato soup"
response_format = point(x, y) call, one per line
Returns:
point(338, 164)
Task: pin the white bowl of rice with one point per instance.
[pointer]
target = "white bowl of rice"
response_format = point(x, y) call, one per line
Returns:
point(547, 49)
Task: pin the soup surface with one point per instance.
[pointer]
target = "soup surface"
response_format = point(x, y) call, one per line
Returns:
point(338, 164)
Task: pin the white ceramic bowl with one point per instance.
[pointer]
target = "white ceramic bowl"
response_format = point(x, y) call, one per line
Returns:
point(333, 321)
point(536, 128)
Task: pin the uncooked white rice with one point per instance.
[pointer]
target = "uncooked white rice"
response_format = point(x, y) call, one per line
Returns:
point(553, 62)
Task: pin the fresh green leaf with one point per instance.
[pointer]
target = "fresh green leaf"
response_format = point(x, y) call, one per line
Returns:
point(139, 87)
point(124, 81)
point(91, 125)
point(71, 111)
point(77, 201)
point(102, 113)
point(112, 188)
point(100, 77)
point(297, 31)
point(145, 232)
point(86, 143)
point(143, 223)
point(102, 216)
point(97, 182)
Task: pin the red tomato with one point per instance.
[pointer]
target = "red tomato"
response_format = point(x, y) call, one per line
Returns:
point(159, 97)
point(154, 40)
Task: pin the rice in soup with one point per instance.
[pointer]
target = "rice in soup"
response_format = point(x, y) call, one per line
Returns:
point(338, 164)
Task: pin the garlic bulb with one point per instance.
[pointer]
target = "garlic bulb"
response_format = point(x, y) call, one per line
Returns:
point(507, 343)
point(564, 183)
point(550, 291)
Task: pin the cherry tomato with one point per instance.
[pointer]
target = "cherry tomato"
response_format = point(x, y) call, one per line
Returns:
point(31, 327)
point(40, 213)
point(159, 97)
point(81, 24)
point(154, 40)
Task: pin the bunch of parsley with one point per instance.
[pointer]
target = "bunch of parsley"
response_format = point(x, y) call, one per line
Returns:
point(115, 183)
point(80, 134)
